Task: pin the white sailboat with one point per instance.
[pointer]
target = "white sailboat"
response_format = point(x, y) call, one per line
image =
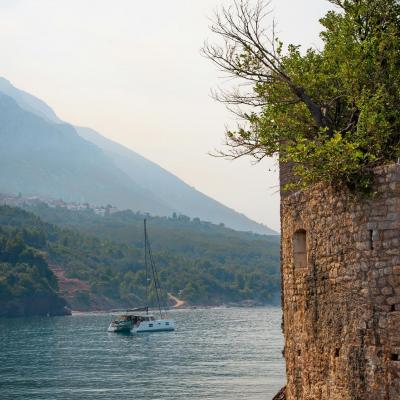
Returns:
point(140, 320)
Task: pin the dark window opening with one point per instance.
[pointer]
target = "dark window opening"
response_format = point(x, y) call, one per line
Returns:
point(394, 357)
point(370, 239)
point(300, 248)
point(393, 307)
point(337, 352)
point(167, 323)
point(150, 325)
point(299, 353)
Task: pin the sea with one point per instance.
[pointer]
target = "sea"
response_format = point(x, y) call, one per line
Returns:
point(218, 353)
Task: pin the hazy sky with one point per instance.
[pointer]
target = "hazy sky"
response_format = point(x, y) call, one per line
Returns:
point(132, 70)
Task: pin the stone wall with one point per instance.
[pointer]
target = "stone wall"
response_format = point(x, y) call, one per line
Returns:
point(341, 293)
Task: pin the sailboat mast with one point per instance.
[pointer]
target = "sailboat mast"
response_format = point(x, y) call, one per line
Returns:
point(153, 269)
point(146, 265)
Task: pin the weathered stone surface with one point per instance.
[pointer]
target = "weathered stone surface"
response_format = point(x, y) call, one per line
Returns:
point(341, 307)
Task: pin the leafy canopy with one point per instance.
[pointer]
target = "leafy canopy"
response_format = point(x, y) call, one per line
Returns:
point(334, 113)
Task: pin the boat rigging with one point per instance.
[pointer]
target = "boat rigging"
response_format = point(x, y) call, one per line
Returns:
point(139, 319)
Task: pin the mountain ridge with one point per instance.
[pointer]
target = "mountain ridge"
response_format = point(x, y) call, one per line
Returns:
point(171, 193)
point(173, 190)
point(40, 157)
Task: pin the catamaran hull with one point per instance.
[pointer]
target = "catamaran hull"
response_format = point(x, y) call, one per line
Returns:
point(120, 327)
point(155, 326)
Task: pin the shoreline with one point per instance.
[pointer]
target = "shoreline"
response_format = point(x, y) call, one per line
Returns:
point(109, 312)
point(186, 307)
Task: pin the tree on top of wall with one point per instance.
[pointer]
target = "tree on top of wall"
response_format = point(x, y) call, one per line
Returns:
point(335, 112)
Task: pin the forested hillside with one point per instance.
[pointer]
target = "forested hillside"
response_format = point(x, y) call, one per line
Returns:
point(27, 285)
point(103, 257)
point(176, 234)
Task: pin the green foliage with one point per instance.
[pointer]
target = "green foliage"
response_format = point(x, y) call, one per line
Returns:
point(335, 113)
point(27, 285)
point(197, 261)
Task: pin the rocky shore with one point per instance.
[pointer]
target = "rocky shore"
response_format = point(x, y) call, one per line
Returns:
point(37, 305)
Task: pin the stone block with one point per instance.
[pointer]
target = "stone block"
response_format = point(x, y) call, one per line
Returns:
point(383, 323)
point(392, 217)
point(387, 291)
point(396, 269)
point(388, 271)
point(393, 300)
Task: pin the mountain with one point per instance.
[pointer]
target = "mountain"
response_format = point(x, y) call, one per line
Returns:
point(28, 102)
point(86, 166)
point(178, 195)
point(40, 157)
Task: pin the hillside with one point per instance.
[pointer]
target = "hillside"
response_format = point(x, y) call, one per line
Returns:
point(101, 266)
point(27, 285)
point(177, 234)
point(79, 164)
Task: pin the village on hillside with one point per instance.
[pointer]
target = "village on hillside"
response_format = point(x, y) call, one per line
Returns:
point(24, 201)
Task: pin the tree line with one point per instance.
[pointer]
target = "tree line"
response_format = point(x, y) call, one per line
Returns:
point(197, 261)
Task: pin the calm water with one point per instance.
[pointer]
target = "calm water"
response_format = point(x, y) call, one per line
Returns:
point(232, 353)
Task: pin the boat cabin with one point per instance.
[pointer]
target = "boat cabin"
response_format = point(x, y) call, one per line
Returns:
point(135, 318)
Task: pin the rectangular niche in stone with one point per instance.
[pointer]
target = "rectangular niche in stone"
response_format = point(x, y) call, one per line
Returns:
point(300, 248)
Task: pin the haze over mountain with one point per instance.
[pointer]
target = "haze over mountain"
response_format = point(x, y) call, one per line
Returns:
point(43, 155)
point(40, 157)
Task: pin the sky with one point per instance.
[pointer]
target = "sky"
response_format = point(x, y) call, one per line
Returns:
point(132, 70)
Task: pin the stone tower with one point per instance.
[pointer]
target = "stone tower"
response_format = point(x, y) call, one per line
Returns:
point(341, 291)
